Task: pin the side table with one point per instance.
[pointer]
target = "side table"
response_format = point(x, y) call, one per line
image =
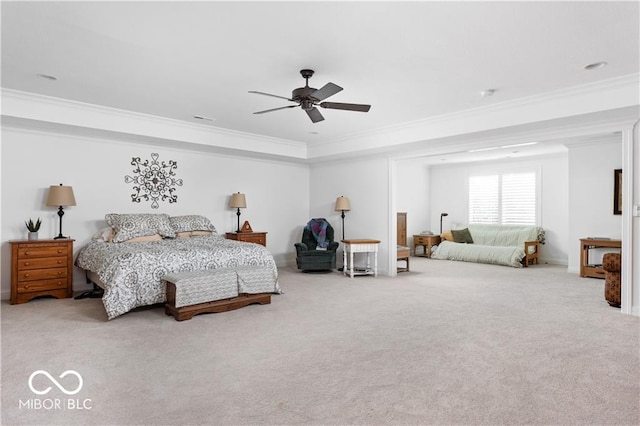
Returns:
point(427, 242)
point(360, 246)
point(41, 268)
point(588, 269)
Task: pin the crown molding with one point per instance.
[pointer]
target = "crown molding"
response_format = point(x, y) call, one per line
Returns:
point(614, 93)
point(576, 111)
point(39, 108)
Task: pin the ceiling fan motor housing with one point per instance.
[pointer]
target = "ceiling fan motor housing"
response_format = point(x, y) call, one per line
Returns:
point(303, 94)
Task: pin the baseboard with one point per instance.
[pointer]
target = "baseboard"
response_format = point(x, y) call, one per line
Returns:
point(560, 262)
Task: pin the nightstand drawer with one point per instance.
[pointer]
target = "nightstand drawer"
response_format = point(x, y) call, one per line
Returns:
point(258, 239)
point(42, 263)
point(248, 237)
point(417, 239)
point(41, 274)
point(42, 285)
point(42, 251)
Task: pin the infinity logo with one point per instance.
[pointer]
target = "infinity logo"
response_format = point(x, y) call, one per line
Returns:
point(55, 382)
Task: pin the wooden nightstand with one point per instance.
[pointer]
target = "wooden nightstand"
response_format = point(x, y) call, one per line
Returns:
point(248, 237)
point(427, 242)
point(41, 268)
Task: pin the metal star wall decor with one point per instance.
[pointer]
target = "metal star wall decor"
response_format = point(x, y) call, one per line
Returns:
point(153, 180)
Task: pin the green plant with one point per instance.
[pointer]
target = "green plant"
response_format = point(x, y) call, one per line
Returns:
point(33, 227)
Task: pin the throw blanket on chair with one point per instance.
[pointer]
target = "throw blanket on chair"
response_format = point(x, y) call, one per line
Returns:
point(318, 228)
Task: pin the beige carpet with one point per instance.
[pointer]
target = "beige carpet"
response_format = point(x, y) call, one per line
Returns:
point(447, 343)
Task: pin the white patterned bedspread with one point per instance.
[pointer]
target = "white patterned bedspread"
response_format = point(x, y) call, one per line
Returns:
point(132, 272)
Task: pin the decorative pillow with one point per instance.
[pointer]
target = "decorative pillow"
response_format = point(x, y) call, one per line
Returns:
point(183, 234)
point(190, 223)
point(105, 234)
point(199, 233)
point(128, 226)
point(462, 236)
point(154, 237)
point(447, 236)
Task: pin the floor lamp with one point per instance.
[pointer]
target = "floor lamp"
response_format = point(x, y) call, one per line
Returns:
point(342, 205)
point(441, 216)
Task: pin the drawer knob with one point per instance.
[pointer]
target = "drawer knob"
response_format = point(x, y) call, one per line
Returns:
point(59, 251)
point(26, 286)
point(26, 275)
point(26, 263)
point(26, 253)
point(59, 283)
point(59, 272)
point(59, 262)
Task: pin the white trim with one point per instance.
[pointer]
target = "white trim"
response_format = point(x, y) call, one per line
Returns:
point(23, 108)
point(626, 297)
point(592, 98)
point(393, 222)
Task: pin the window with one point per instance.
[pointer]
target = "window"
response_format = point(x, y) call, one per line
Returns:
point(505, 199)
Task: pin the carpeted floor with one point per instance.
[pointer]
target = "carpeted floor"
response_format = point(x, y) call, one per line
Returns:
point(447, 343)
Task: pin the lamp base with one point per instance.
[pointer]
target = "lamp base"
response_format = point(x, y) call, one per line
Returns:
point(61, 237)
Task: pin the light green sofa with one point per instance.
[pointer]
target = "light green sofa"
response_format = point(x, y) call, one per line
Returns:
point(509, 245)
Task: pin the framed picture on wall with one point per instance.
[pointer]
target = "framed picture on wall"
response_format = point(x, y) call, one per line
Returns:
point(617, 191)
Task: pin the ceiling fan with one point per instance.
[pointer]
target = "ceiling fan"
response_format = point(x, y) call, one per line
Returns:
point(308, 98)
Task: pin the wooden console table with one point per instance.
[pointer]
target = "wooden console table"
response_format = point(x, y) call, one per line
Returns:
point(360, 246)
point(591, 270)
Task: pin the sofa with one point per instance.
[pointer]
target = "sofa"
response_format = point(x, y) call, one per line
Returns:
point(508, 245)
point(611, 263)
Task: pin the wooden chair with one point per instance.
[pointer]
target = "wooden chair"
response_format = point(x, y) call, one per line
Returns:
point(403, 250)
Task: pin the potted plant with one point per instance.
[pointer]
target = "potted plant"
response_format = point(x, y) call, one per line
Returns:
point(33, 228)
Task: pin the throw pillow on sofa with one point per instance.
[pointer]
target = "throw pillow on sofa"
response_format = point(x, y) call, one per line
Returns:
point(462, 236)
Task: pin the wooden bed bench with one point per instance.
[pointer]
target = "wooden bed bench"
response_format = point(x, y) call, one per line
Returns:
point(215, 290)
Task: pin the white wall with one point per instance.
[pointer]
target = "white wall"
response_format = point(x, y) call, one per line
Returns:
point(449, 189)
point(591, 168)
point(413, 196)
point(366, 184)
point(277, 192)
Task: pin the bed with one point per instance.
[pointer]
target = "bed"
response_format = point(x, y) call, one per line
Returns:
point(130, 257)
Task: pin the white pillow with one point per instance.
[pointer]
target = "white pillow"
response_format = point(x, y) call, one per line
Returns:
point(190, 223)
point(128, 226)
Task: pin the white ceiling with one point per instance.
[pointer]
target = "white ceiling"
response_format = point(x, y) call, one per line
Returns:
point(409, 60)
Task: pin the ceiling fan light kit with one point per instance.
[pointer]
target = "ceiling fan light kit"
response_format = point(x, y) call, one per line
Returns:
point(307, 98)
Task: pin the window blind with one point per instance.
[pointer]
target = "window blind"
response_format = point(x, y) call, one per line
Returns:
point(507, 199)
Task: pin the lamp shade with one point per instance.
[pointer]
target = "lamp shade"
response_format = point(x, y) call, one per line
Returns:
point(60, 195)
point(342, 204)
point(238, 200)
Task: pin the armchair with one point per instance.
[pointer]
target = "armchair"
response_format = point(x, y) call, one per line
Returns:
point(317, 251)
point(611, 264)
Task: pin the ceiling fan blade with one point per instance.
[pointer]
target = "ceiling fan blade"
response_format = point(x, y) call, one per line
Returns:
point(275, 109)
point(314, 114)
point(269, 94)
point(325, 91)
point(348, 107)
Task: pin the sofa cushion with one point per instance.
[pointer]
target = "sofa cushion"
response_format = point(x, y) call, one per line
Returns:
point(462, 236)
point(504, 235)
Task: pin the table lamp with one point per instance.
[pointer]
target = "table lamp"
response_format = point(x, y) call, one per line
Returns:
point(238, 201)
point(61, 196)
